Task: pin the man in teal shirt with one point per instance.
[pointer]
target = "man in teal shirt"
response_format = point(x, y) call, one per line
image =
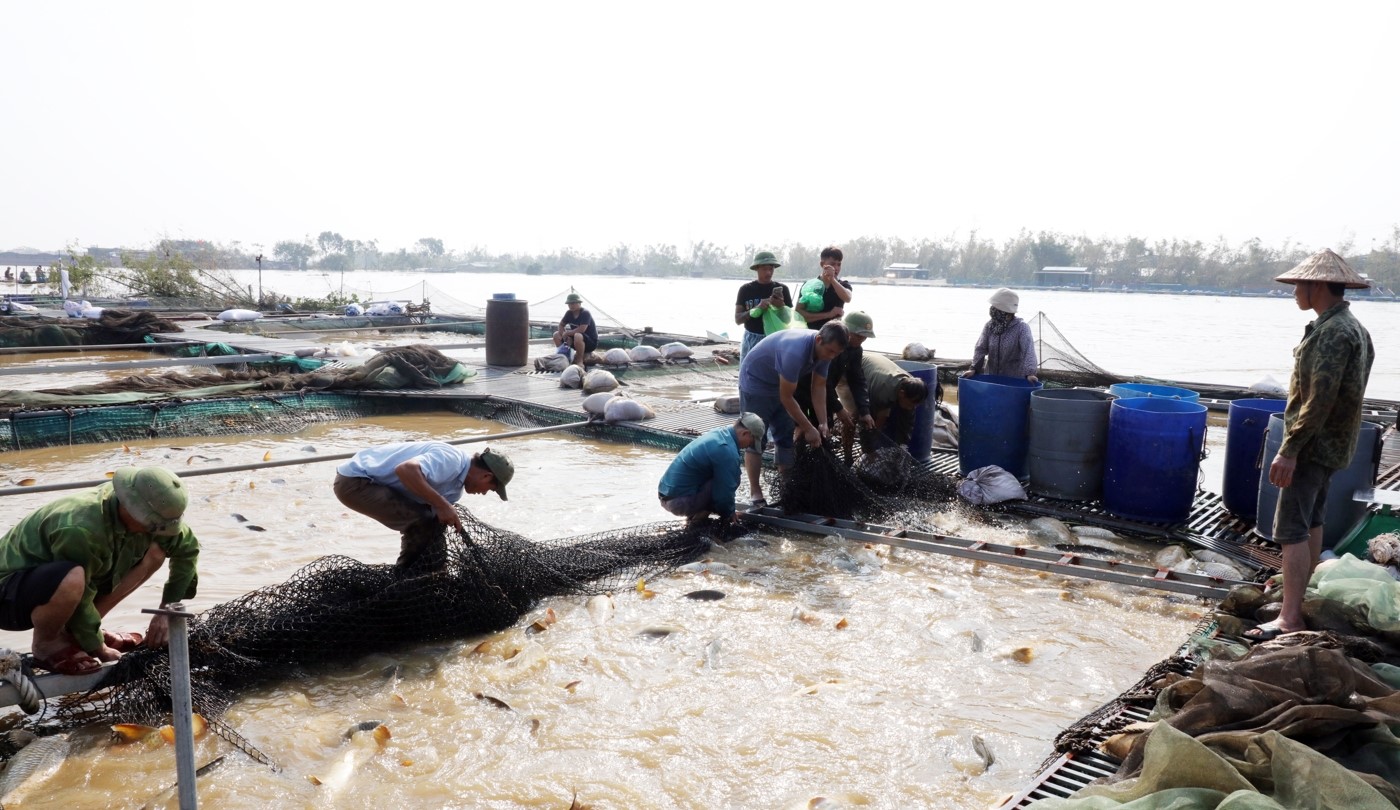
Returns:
point(67, 564)
point(702, 478)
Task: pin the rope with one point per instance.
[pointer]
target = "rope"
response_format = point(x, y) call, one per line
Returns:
point(30, 697)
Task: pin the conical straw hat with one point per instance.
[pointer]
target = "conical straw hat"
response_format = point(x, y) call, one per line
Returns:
point(1327, 267)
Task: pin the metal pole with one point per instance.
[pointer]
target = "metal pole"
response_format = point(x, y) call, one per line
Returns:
point(490, 437)
point(180, 704)
point(260, 297)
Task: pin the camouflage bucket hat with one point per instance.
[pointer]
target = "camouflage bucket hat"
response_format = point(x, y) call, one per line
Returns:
point(154, 496)
point(860, 324)
point(500, 467)
point(1327, 267)
point(764, 257)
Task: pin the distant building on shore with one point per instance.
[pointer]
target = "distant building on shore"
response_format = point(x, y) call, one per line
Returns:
point(905, 270)
point(1081, 277)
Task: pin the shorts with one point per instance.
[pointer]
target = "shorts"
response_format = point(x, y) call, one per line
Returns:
point(696, 503)
point(1302, 505)
point(770, 409)
point(383, 503)
point(27, 589)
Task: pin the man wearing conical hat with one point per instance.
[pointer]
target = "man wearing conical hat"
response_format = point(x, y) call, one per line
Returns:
point(1320, 423)
point(68, 563)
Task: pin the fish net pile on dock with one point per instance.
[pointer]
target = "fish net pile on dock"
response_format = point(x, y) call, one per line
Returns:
point(337, 609)
point(115, 326)
point(885, 481)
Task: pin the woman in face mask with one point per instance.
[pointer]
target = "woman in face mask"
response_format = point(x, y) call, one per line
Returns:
point(1005, 346)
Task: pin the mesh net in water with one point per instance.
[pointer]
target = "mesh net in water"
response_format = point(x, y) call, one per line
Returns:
point(336, 609)
point(885, 482)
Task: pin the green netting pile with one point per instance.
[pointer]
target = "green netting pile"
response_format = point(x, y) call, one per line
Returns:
point(115, 326)
point(336, 609)
point(415, 366)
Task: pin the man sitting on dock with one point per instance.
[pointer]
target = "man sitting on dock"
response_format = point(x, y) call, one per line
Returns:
point(703, 476)
point(1320, 423)
point(577, 329)
point(405, 483)
point(768, 381)
point(66, 565)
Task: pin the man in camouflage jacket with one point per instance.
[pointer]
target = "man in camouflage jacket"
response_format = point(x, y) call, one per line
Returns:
point(1330, 369)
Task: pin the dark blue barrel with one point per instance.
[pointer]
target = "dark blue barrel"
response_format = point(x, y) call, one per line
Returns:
point(993, 422)
point(507, 331)
point(1154, 456)
point(921, 439)
point(1068, 438)
point(1342, 511)
point(1131, 390)
point(1244, 445)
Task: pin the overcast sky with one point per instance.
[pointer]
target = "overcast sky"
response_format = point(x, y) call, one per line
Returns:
point(538, 125)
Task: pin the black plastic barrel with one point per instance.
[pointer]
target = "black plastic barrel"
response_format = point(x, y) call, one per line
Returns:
point(1068, 441)
point(507, 332)
point(1342, 512)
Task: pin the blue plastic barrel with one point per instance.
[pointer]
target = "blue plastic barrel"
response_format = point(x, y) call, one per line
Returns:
point(993, 422)
point(1244, 445)
point(1154, 456)
point(1131, 390)
point(921, 438)
point(1342, 511)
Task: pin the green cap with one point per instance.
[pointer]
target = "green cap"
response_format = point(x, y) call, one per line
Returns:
point(860, 324)
point(753, 424)
point(500, 467)
point(154, 496)
point(764, 257)
point(574, 298)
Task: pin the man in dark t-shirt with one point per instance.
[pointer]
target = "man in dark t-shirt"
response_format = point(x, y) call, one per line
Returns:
point(577, 329)
point(836, 292)
point(769, 298)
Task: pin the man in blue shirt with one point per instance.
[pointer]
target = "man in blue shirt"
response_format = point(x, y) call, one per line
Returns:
point(702, 478)
point(768, 385)
point(405, 483)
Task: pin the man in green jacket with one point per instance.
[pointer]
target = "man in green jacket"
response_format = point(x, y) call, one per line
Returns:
point(1320, 423)
point(66, 564)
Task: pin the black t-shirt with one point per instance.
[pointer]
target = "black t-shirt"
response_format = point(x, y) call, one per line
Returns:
point(590, 335)
point(755, 293)
point(829, 302)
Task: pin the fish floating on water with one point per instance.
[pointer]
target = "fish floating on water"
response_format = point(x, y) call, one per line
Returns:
point(705, 596)
point(34, 765)
point(983, 750)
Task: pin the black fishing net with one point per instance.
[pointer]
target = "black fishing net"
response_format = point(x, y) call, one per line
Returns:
point(1060, 362)
point(337, 609)
point(884, 483)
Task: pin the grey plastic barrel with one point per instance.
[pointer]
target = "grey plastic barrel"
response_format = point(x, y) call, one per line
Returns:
point(507, 332)
point(1342, 512)
point(1068, 440)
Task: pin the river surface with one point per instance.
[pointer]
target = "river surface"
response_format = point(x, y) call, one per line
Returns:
point(830, 670)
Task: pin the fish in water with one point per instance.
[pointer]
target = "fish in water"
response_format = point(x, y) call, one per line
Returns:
point(600, 608)
point(494, 701)
point(35, 764)
point(976, 642)
point(659, 631)
point(705, 596)
point(363, 725)
point(1051, 532)
point(983, 750)
point(253, 527)
point(239, 518)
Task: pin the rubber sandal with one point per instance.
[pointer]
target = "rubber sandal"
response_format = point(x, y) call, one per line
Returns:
point(758, 503)
point(122, 642)
point(1268, 631)
point(70, 661)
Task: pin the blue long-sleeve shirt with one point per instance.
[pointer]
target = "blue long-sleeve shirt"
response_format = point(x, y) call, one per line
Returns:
point(713, 457)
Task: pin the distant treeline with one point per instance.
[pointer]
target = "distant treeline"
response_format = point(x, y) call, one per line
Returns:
point(1131, 262)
